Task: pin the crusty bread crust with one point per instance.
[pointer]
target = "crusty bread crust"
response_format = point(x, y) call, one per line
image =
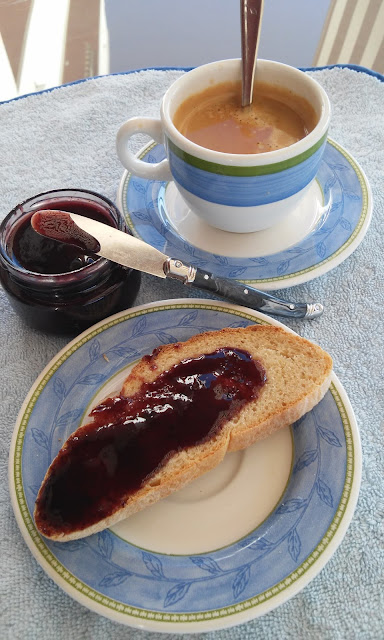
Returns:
point(298, 376)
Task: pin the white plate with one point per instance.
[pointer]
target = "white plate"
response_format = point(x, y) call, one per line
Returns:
point(327, 225)
point(229, 547)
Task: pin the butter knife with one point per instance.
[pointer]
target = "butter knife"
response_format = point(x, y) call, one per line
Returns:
point(132, 252)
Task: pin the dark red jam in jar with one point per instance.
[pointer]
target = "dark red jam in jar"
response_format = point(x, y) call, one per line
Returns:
point(56, 287)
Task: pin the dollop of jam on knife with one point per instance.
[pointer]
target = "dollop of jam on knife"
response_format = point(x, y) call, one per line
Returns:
point(130, 439)
point(58, 225)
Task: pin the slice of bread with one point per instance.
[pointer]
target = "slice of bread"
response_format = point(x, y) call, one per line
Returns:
point(298, 374)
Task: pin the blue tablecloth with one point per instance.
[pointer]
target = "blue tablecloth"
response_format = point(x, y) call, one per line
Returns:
point(66, 138)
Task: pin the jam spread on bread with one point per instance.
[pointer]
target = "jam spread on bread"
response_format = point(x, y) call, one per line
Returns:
point(130, 439)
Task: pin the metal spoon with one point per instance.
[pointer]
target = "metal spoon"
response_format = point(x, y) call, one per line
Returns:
point(251, 15)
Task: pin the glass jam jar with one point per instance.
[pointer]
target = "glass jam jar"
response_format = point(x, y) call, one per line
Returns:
point(55, 287)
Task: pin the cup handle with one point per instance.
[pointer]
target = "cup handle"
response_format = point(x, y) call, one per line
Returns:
point(151, 127)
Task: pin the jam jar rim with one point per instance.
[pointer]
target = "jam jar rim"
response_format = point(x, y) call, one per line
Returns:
point(66, 276)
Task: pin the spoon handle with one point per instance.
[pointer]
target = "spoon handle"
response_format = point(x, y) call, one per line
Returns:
point(251, 15)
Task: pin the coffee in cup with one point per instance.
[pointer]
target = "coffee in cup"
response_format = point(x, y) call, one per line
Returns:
point(239, 191)
point(215, 119)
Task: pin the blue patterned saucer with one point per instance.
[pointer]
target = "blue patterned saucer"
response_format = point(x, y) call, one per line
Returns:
point(156, 573)
point(325, 228)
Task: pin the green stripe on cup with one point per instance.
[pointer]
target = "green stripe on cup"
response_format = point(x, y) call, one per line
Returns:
point(230, 170)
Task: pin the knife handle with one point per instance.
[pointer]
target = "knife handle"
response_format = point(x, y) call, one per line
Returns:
point(240, 293)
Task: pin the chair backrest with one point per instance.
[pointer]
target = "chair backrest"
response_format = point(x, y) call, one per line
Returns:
point(353, 33)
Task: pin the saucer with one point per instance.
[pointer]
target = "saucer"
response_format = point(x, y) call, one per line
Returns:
point(324, 229)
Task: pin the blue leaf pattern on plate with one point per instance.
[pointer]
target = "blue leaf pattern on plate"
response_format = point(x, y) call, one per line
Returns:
point(329, 184)
point(199, 263)
point(236, 273)
point(298, 422)
point(240, 323)
point(187, 319)
point(324, 492)
point(124, 352)
point(40, 438)
point(139, 327)
point(329, 436)
point(73, 545)
point(153, 564)
point(294, 545)
point(68, 417)
point(59, 388)
point(261, 262)
point(188, 248)
point(165, 338)
point(352, 196)
point(321, 232)
point(92, 378)
point(339, 167)
point(291, 505)
point(34, 489)
point(261, 544)
point(144, 216)
point(305, 460)
point(138, 186)
point(221, 259)
point(321, 249)
point(114, 579)
point(283, 267)
point(105, 543)
point(206, 564)
point(297, 251)
point(345, 224)
point(177, 593)
point(240, 582)
point(94, 350)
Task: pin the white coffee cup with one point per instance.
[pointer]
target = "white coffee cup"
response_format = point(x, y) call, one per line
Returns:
point(232, 192)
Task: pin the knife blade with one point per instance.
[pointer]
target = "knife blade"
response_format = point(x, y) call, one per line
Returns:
point(134, 253)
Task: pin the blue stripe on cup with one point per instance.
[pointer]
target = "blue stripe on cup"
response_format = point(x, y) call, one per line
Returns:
point(245, 191)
